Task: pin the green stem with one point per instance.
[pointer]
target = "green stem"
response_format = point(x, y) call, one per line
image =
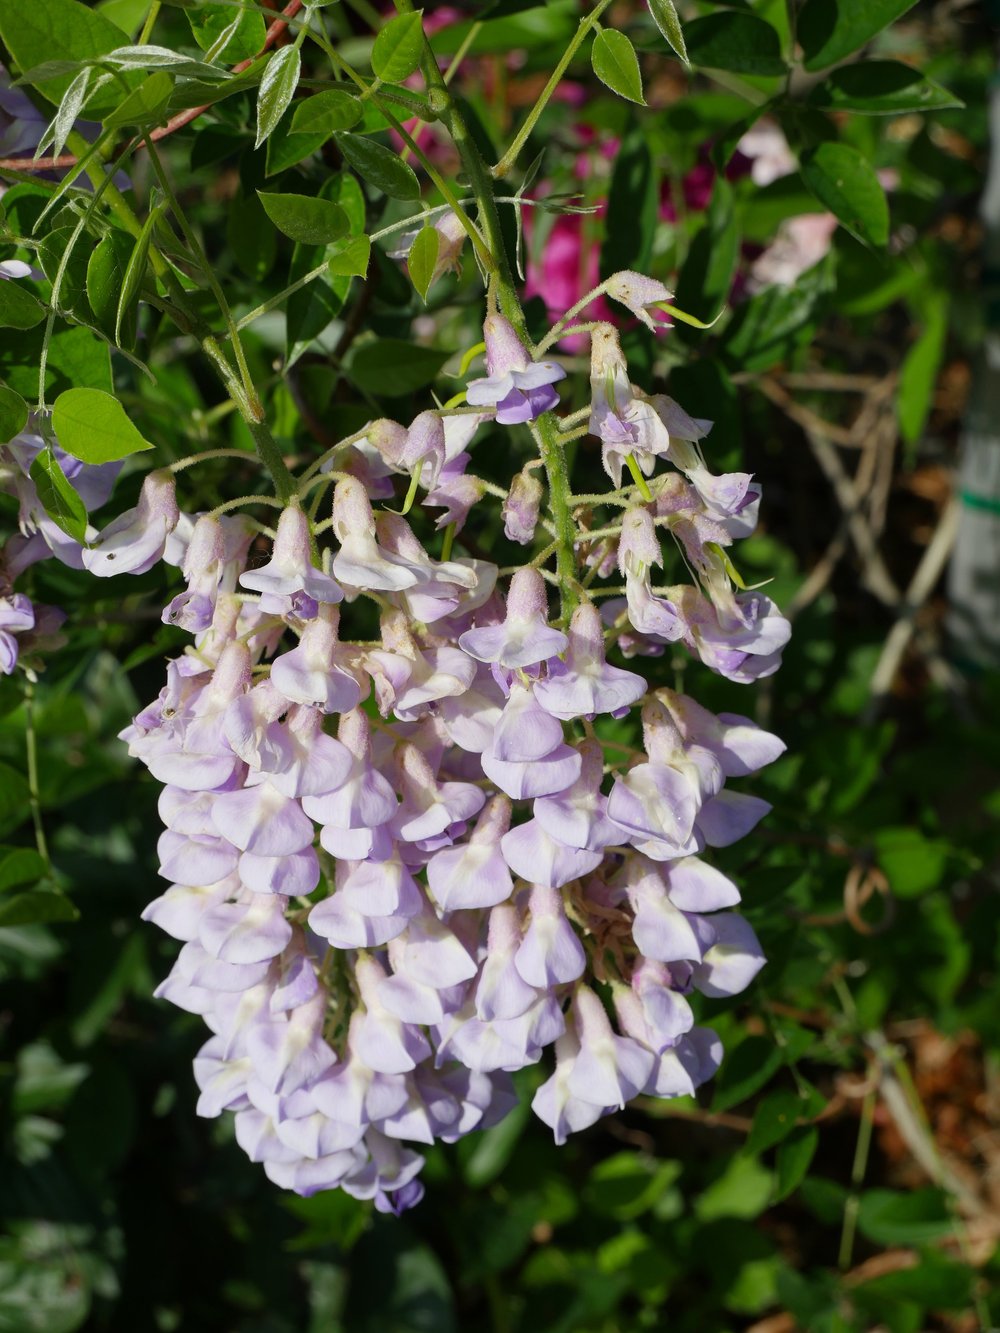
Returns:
point(520, 139)
point(147, 27)
point(33, 790)
point(553, 453)
point(271, 457)
point(197, 250)
point(480, 182)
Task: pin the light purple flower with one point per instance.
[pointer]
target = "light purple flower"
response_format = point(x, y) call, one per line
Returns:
point(520, 389)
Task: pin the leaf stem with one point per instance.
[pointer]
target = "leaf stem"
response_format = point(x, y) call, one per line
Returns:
point(520, 139)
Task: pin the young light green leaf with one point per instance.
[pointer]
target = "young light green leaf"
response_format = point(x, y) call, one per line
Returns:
point(18, 308)
point(422, 259)
point(881, 88)
point(305, 218)
point(665, 17)
point(13, 414)
point(326, 112)
point(92, 426)
point(161, 57)
point(277, 88)
point(829, 32)
point(351, 259)
point(742, 43)
point(398, 48)
point(105, 274)
point(126, 315)
point(845, 183)
point(145, 105)
point(617, 65)
point(58, 498)
point(380, 166)
point(65, 118)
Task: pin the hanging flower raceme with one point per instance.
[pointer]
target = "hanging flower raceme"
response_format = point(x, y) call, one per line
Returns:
point(400, 869)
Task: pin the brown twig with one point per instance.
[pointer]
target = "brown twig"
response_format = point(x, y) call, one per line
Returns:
point(175, 123)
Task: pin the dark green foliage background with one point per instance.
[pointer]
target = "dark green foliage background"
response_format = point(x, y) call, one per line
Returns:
point(122, 1211)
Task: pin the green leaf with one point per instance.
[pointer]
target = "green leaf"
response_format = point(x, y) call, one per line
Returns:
point(285, 149)
point(914, 1218)
point(616, 64)
point(633, 207)
point(76, 357)
point(881, 88)
point(305, 218)
point(251, 237)
point(20, 865)
point(665, 17)
point(380, 167)
point(277, 88)
point(13, 414)
point(918, 374)
point(392, 367)
point(63, 30)
point(58, 498)
point(92, 426)
point(145, 105)
point(35, 908)
point(742, 1190)
point(65, 118)
point(127, 313)
point(749, 1067)
point(735, 41)
point(326, 112)
point(828, 31)
point(351, 258)
point(139, 58)
point(18, 308)
point(774, 1119)
point(845, 183)
point(494, 1147)
point(422, 259)
point(52, 251)
point(14, 797)
point(913, 864)
point(936, 1282)
point(398, 48)
point(209, 22)
point(793, 1160)
point(105, 275)
point(706, 278)
point(770, 326)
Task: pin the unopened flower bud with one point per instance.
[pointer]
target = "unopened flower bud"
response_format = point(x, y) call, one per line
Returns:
point(520, 509)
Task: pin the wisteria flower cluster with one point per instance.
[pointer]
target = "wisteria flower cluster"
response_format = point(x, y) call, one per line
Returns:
point(402, 870)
